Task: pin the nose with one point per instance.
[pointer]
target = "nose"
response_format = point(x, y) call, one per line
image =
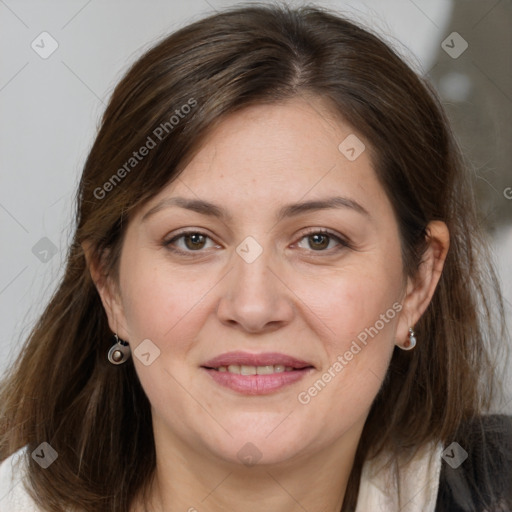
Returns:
point(254, 296)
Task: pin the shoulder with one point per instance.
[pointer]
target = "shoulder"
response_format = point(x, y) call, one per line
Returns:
point(13, 496)
point(476, 472)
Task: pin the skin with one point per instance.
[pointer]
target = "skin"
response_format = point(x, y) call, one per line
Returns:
point(301, 297)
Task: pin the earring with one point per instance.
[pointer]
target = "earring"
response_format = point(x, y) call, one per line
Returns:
point(120, 352)
point(410, 343)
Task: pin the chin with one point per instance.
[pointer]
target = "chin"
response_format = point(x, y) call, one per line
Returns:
point(253, 446)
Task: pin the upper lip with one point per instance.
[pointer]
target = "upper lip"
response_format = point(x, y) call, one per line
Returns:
point(263, 359)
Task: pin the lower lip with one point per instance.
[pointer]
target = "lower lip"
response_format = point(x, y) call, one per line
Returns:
point(257, 384)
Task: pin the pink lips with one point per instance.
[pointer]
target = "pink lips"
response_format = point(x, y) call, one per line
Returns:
point(256, 384)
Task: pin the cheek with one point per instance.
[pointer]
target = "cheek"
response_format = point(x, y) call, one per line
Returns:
point(160, 303)
point(157, 298)
point(362, 316)
point(356, 302)
point(360, 309)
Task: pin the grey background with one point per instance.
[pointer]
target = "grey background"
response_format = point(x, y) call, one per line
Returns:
point(50, 110)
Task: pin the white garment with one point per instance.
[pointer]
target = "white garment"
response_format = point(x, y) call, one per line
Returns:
point(13, 496)
point(419, 482)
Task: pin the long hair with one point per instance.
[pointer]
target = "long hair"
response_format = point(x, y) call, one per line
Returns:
point(62, 390)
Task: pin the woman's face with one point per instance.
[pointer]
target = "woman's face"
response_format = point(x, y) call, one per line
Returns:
point(255, 276)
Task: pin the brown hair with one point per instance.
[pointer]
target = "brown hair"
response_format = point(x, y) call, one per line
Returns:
point(62, 389)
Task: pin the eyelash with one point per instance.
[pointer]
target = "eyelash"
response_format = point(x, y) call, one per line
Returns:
point(342, 242)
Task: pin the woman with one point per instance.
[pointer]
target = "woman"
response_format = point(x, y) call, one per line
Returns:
point(329, 345)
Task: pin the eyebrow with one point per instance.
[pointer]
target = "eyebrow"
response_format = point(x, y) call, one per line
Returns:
point(289, 210)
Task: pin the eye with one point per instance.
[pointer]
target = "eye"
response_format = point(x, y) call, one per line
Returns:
point(320, 239)
point(194, 241)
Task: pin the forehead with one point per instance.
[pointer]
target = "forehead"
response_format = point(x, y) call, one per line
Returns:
point(285, 137)
point(267, 155)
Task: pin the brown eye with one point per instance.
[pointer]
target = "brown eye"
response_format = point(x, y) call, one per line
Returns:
point(194, 241)
point(319, 241)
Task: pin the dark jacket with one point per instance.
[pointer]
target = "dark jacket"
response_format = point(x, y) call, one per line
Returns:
point(483, 481)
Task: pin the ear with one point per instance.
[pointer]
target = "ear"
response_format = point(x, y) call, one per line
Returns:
point(108, 291)
point(421, 287)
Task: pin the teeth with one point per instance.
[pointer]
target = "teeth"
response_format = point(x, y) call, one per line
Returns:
point(254, 370)
point(247, 370)
point(264, 370)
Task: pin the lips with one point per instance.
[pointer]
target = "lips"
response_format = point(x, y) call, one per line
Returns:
point(264, 359)
point(256, 374)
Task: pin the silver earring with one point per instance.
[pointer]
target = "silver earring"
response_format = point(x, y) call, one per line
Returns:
point(120, 352)
point(410, 343)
